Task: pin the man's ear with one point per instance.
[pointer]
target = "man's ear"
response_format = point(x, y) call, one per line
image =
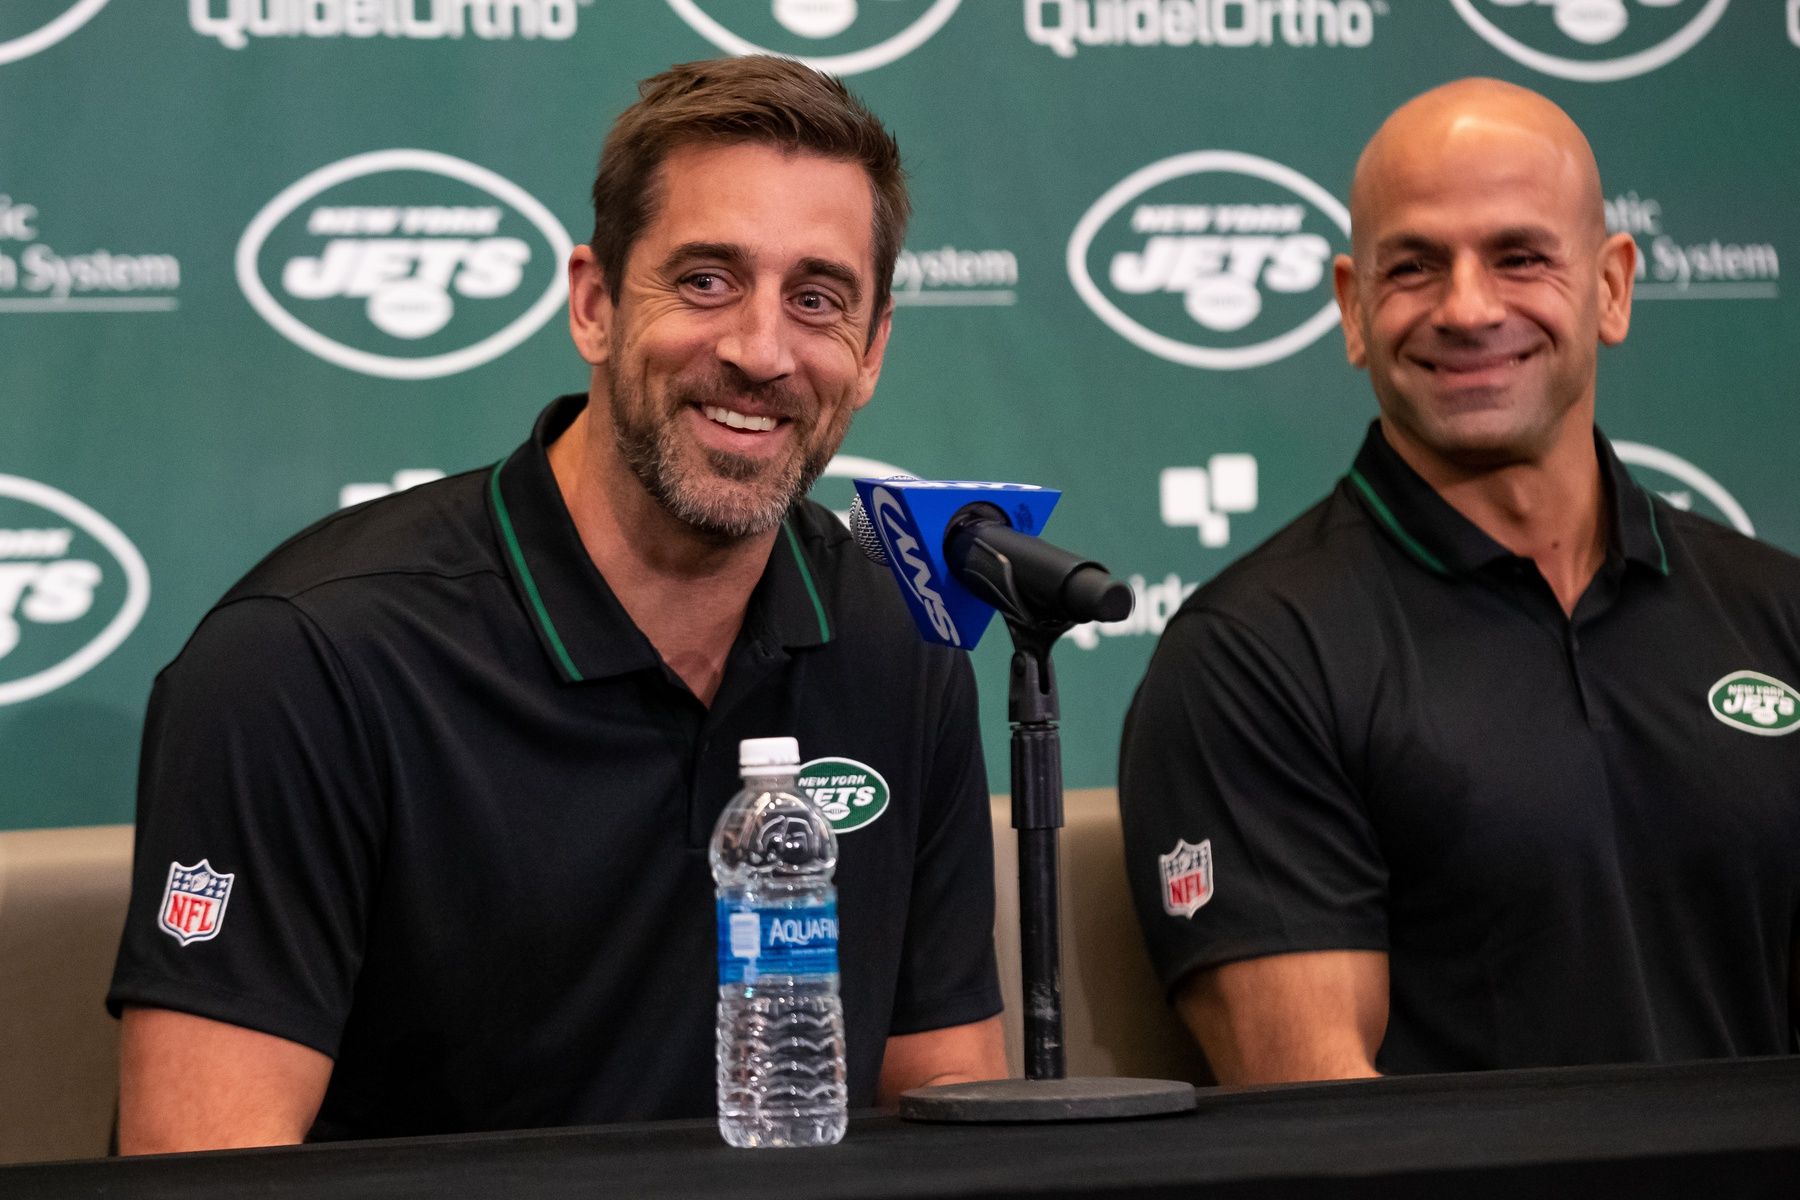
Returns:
point(870, 370)
point(590, 306)
point(1618, 274)
point(1344, 283)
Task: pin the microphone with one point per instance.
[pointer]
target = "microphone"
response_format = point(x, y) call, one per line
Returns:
point(960, 550)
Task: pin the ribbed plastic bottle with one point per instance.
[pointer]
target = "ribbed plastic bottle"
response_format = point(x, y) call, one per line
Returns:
point(781, 1023)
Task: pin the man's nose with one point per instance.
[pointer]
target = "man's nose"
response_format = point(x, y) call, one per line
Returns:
point(1469, 300)
point(757, 340)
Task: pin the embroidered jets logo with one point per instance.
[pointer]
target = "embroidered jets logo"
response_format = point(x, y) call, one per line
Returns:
point(851, 794)
point(1187, 877)
point(1755, 703)
point(193, 904)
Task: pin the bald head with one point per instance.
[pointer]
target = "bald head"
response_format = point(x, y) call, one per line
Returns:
point(1482, 282)
point(1441, 132)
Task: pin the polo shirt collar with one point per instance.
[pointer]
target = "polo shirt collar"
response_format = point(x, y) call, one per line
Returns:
point(1448, 543)
point(583, 629)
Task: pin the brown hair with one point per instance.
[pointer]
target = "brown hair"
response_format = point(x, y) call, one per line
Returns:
point(754, 99)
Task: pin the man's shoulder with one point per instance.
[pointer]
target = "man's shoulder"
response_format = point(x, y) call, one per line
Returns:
point(361, 577)
point(861, 595)
point(1716, 547)
point(1311, 565)
point(1738, 569)
point(439, 529)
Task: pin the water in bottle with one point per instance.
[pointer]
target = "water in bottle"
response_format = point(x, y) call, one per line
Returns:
point(781, 1024)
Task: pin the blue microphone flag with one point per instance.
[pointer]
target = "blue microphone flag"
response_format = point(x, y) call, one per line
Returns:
point(909, 518)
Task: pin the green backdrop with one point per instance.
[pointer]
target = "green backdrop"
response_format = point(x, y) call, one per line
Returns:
point(259, 258)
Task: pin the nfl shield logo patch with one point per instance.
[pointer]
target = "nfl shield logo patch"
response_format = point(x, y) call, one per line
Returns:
point(193, 904)
point(1187, 878)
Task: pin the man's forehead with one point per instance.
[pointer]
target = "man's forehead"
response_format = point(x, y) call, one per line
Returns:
point(1473, 173)
point(757, 180)
point(1471, 139)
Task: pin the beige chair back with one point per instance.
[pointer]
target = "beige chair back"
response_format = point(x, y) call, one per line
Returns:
point(1115, 1021)
point(62, 905)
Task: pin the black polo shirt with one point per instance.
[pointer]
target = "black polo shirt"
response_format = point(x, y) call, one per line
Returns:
point(1388, 736)
point(465, 807)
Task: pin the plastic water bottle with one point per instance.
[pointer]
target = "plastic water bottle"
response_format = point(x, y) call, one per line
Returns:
point(781, 1023)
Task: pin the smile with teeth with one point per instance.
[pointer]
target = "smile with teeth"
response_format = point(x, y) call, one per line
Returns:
point(738, 420)
point(1470, 366)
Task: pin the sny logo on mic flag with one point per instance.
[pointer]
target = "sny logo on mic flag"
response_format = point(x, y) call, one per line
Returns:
point(909, 516)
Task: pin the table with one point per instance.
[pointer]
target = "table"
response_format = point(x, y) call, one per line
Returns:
point(1712, 1130)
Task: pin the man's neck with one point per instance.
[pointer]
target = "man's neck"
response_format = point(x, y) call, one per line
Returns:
point(687, 592)
point(1551, 510)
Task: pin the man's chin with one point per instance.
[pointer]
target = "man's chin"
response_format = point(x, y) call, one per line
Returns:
point(729, 510)
point(1472, 446)
point(740, 469)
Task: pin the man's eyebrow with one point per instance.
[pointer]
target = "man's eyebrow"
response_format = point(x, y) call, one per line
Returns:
point(842, 274)
point(1511, 235)
point(721, 252)
point(731, 254)
point(1524, 235)
point(1406, 243)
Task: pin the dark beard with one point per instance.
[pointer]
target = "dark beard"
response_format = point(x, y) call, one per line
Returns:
point(762, 492)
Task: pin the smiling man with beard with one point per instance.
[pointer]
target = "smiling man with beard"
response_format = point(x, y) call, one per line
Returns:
point(1461, 770)
point(439, 776)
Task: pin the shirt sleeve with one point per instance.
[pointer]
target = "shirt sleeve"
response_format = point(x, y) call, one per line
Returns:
point(947, 971)
point(1244, 834)
point(259, 825)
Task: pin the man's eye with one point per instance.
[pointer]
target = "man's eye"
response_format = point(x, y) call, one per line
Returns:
point(1520, 260)
point(813, 301)
point(703, 281)
point(1405, 268)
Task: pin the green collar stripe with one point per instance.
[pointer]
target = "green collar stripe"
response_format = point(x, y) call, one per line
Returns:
point(531, 589)
point(812, 591)
point(1661, 550)
point(1387, 518)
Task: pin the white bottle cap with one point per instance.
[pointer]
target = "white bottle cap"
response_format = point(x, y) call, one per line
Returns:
point(765, 756)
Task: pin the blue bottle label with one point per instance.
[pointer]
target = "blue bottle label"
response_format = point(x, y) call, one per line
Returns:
point(766, 940)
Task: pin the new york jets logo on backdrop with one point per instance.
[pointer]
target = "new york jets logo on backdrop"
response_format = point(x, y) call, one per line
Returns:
point(844, 37)
point(28, 26)
point(1593, 41)
point(72, 587)
point(1755, 703)
point(1683, 485)
point(851, 794)
point(406, 264)
point(1212, 259)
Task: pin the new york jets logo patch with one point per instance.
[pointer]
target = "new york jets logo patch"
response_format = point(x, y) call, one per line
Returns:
point(849, 793)
point(1755, 703)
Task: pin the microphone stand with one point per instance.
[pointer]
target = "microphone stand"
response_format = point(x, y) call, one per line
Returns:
point(1045, 1094)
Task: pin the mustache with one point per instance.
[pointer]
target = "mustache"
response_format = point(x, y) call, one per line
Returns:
point(1450, 342)
point(726, 388)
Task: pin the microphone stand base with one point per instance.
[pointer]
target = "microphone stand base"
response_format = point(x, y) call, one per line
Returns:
point(1094, 1098)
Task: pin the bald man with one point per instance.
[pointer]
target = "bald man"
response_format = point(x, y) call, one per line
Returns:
point(1479, 763)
